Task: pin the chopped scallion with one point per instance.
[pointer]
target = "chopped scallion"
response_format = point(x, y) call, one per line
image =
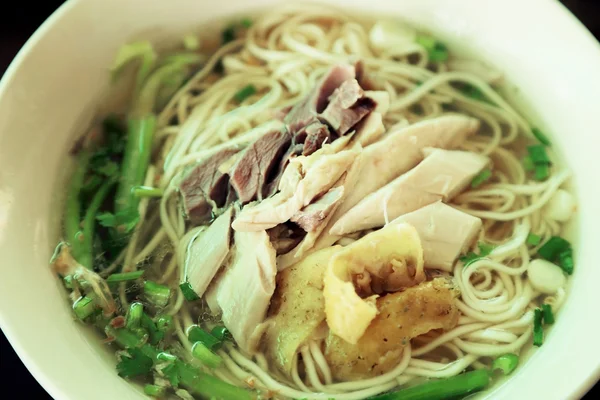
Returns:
point(164, 323)
point(188, 292)
point(228, 34)
point(246, 22)
point(456, 387)
point(84, 307)
point(552, 249)
point(437, 51)
point(154, 335)
point(528, 165)
point(205, 355)
point(506, 363)
point(157, 294)
point(197, 334)
point(541, 172)
point(533, 240)
point(565, 259)
point(547, 314)
point(166, 356)
point(484, 251)
point(147, 191)
point(134, 315)
point(154, 390)
point(538, 331)
point(244, 93)
point(481, 178)
point(538, 154)
point(124, 276)
point(539, 135)
point(221, 333)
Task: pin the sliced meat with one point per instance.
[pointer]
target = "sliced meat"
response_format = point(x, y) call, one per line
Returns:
point(401, 150)
point(271, 188)
point(244, 291)
point(401, 317)
point(204, 187)
point(297, 308)
point(445, 233)
point(310, 217)
point(440, 176)
point(307, 110)
point(316, 173)
point(253, 171)
point(347, 106)
point(313, 137)
point(208, 251)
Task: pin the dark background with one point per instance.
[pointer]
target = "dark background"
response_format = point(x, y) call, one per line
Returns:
point(17, 23)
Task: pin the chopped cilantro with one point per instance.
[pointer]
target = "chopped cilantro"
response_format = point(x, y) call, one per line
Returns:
point(137, 364)
point(124, 221)
point(484, 251)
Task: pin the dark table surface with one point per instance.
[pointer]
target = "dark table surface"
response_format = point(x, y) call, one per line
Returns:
point(17, 23)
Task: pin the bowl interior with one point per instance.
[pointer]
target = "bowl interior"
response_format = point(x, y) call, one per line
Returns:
point(50, 93)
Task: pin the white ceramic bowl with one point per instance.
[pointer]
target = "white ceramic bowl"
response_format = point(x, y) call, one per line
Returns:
point(49, 93)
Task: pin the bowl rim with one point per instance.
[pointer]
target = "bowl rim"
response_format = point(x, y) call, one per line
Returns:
point(28, 359)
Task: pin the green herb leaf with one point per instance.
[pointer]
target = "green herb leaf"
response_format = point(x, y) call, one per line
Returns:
point(124, 221)
point(484, 251)
point(552, 249)
point(438, 52)
point(154, 334)
point(109, 169)
point(135, 365)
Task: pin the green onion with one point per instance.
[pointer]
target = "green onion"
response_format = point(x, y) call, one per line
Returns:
point(157, 294)
point(207, 357)
point(72, 219)
point(221, 333)
point(244, 93)
point(484, 251)
point(197, 334)
point(246, 22)
point(154, 335)
point(164, 323)
point(84, 307)
point(191, 42)
point(538, 332)
point(553, 248)
point(228, 34)
point(450, 388)
point(539, 135)
point(538, 154)
point(506, 363)
point(188, 292)
point(147, 191)
point(547, 314)
point(166, 356)
point(528, 164)
point(437, 51)
point(124, 276)
point(134, 51)
point(154, 390)
point(533, 240)
point(196, 381)
point(481, 178)
point(474, 92)
point(68, 281)
point(134, 315)
point(565, 260)
point(542, 171)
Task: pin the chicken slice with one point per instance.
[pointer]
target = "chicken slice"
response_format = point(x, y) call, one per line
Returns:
point(401, 150)
point(318, 172)
point(445, 233)
point(207, 252)
point(313, 215)
point(440, 176)
point(243, 293)
point(369, 130)
point(386, 260)
point(297, 308)
point(401, 317)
